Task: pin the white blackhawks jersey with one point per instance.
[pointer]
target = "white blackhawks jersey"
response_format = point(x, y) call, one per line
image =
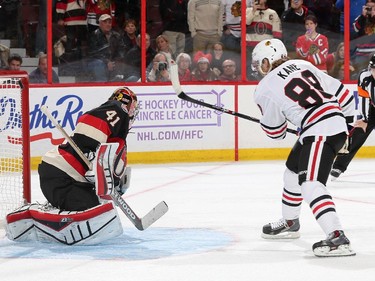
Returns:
point(298, 92)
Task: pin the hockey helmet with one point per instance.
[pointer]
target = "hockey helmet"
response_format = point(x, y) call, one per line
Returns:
point(371, 63)
point(265, 53)
point(127, 97)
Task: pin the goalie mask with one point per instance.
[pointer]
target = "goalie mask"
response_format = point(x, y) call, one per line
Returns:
point(266, 53)
point(127, 97)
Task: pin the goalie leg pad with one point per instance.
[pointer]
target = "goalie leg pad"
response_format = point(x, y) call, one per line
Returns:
point(49, 224)
point(20, 225)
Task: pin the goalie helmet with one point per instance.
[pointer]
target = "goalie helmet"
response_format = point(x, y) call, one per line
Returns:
point(266, 53)
point(127, 97)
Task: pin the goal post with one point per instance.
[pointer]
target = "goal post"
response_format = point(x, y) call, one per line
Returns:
point(15, 181)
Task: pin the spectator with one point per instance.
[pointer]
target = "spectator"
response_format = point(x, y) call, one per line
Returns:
point(219, 55)
point(129, 9)
point(129, 34)
point(162, 45)
point(174, 16)
point(363, 46)
point(261, 23)
point(133, 59)
point(72, 15)
point(10, 12)
point(279, 6)
point(154, 24)
point(159, 69)
point(293, 23)
point(14, 62)
point(334, 57)
point(229, 73)
point(231, 37)
point(323, 12)
point(4, 56)
point(107, 51)
point(364, 24)
point(41, 30)
point(39, 75)
point(205, 19)
point(336, 64)
point(355, 10)
point(183, 61)
point(313, 46)
point(95, 9)
point(203, 71)
point(338, 70)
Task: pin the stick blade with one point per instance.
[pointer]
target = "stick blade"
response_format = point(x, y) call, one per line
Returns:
point(152, 216)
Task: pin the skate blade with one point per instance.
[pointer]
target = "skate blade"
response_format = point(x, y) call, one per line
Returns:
point(341, 251)
point(282, 235)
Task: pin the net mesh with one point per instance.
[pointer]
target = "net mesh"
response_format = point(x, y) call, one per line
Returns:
point(11, 148)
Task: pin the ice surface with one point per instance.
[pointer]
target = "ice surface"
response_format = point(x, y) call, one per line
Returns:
point(211, 231)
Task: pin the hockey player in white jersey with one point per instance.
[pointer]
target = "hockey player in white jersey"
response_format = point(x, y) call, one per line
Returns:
point(321, 107)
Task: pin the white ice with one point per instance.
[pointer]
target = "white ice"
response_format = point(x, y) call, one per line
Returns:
point(211, 231)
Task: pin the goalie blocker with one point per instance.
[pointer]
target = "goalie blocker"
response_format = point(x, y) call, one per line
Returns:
point(44, 223)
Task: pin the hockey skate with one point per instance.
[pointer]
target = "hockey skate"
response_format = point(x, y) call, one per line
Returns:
point(335, 173)
point(282, 229)
point(336, 245)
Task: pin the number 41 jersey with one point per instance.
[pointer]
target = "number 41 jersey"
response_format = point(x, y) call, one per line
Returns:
point(298, 92)
point(107, 123)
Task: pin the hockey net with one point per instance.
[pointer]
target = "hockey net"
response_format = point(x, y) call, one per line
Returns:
point(14, 141)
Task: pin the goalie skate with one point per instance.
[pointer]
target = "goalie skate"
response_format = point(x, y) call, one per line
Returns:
point(336, 245)
point(281, 229)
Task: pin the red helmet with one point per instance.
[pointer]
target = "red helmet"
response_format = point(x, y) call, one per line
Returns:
point(127, 97)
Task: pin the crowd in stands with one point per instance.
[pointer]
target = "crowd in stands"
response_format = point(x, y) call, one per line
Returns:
point(101, 41)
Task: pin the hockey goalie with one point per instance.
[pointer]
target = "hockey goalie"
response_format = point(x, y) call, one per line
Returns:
point(80, 209)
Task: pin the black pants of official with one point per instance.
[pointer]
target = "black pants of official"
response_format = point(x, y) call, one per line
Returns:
point(358, 138)
point(65, 193)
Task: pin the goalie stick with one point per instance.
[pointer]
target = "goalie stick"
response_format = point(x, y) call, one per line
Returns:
point(181, 94)
point(140, 223)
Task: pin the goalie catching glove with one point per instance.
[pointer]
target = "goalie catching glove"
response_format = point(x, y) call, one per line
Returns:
point(110, 171)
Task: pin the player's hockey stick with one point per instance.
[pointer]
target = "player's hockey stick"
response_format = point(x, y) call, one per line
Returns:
point(140, 223)
point(181, 94)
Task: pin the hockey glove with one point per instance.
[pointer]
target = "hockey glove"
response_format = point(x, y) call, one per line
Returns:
point(124, 183)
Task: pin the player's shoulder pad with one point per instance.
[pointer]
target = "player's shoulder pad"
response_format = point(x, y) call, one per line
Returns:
point(118, 105)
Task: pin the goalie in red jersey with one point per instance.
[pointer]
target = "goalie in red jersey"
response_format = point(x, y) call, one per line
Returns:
point(62, 171)
point(76, 213)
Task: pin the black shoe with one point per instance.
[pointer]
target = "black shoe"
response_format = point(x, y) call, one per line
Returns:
point(282, 229)
point(336, 245)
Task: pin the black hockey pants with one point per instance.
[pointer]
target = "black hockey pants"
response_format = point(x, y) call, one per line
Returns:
point(65, 193)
